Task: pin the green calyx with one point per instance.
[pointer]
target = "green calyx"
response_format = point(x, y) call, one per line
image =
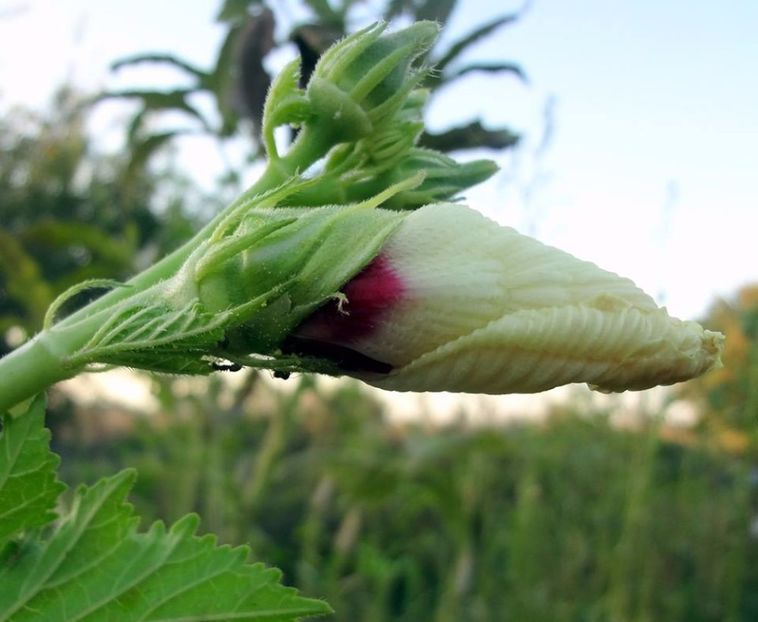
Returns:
point(444, 178)
point(313, 251)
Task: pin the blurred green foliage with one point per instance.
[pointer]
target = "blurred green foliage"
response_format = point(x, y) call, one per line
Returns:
point(69, 212)
point(728, 396)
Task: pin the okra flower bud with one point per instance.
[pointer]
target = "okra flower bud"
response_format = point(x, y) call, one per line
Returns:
point(357, 88)
point(454, 302)
point(366, 78)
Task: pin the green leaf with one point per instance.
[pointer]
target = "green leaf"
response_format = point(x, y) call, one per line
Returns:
point(235, 10)
point(395, 8)
point(223, 77)
point(436, 10)
point(252, 80)
point(142, 149)
point(97, 566)
point(169, 59)
point(325, 12)
point(29, 487)
point(471, 136)
point(176, 99)
point(438, 79)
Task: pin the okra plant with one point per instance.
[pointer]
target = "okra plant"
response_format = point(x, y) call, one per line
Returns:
point(346, 257)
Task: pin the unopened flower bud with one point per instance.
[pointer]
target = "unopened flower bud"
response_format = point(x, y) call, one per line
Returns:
point(454, 302)
point(366, 78)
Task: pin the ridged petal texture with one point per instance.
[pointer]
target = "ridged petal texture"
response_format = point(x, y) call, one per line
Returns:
point(488, 310)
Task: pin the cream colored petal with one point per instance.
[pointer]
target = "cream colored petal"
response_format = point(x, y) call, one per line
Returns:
point(463, 271)
point(614, 348)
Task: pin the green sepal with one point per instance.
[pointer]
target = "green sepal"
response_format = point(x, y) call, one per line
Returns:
point(318, 252)
point(335, 112)
point(148, 333)
point(381, 71)
point(55, 306)
point(444, 178)
point(286, 103)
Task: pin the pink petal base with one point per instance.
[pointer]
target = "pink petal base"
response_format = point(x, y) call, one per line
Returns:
point(368, 296)
point(334, 328)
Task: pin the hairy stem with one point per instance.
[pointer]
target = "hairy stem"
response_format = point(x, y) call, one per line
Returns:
point(43, 361)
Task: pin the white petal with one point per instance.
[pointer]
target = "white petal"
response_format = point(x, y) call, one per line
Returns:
point(489, 310)
point(462, 271)
point(534, 350)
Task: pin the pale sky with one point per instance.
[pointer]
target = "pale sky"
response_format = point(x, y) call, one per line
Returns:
point(651, 166)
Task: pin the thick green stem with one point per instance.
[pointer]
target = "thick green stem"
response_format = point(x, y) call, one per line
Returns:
point(42, 362)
